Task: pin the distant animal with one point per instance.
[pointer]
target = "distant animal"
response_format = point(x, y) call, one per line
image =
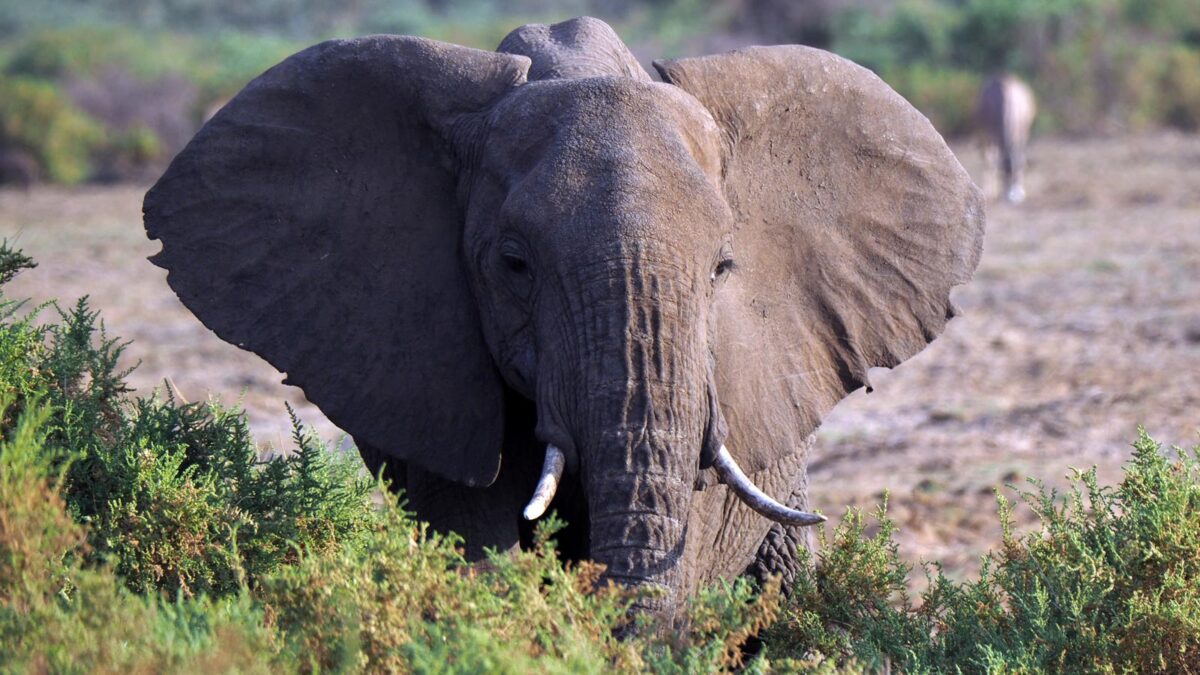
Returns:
point(18, 168)
point(1004, 116)
point(537, 271)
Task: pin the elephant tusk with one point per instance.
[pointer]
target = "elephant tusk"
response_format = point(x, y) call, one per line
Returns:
point(733, 476)
point(548, 484)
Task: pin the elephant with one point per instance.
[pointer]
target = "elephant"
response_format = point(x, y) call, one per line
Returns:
point(1004, 115)
point(538, 271)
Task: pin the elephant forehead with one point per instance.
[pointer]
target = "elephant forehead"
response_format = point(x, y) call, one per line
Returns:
point(617, 151)
point(601, 119)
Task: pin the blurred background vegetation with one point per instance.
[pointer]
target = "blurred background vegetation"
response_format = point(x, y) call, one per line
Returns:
point(106, 90)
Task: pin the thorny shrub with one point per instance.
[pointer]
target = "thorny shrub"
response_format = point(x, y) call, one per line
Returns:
point(146, 533)
point(1109, 583)
point(149, 535)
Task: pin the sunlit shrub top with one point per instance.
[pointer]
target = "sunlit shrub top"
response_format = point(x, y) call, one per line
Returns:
point(150, 534)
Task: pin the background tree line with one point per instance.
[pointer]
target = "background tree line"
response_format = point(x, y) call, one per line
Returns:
point(110, 89)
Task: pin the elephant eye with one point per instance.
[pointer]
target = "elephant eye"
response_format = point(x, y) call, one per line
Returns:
point(516, 264)
point(512, 262)
point(722, 269)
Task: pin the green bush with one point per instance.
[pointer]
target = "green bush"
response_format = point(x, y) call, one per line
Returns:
point(1110, 583)
point(945, 95)
point(398, 601)
point(1160, 87)
point(137, 145)
point(145, 534)
point(106, 102)
point(1081, 56)
point(173, 494)
point(56, 54)
point(1178, 19)
point(1072, 98)
point(37, 117)
point(1179, 87)
point(57, 616)
point(1096, 65)
point(220, 65)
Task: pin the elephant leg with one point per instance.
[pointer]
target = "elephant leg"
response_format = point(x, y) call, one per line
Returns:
point(779, 552)
point(484, 517)
point(992, 181)
point(394, 472)
point(779, 555)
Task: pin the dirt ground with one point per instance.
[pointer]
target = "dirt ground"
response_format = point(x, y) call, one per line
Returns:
point(1082, 322)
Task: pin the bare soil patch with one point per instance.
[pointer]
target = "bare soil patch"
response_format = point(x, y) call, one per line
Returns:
point(1082, 322)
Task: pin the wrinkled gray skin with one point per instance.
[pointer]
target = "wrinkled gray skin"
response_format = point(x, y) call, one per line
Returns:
point(462, 256)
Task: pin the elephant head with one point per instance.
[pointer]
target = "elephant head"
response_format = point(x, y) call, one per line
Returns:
point(680, 278)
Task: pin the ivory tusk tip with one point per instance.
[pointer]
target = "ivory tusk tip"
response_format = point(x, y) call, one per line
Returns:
point(733, 476)
point(809, 519)
point(536, 508)
point(547, 484)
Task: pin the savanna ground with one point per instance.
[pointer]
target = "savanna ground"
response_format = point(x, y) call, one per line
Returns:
point(1082, 322)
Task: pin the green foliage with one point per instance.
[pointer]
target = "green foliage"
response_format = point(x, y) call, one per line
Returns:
point(915, 31)
point(12, 263)
point(408, 600)
point(147, 534)
point(1179, 19)
point(220, 65)
point(1095, 64)
point(397, 600)
point(1179, 86)
point(145, 92)
point(54, 54)
point(173, 494)
point(36, 116)
point(1110, 583)
point(57, 616)
point(1113, 579)
point(939, 93)
point(79, 52)
point(137, 145)
point(853, 604)
point(994, 35)
point(217, 64)
point(720, 621)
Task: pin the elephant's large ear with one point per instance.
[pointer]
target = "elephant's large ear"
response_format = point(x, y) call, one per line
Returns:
point(853, 221)
point(314, 221)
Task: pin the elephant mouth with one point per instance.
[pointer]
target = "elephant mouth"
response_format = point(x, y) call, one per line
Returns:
point(727, 468)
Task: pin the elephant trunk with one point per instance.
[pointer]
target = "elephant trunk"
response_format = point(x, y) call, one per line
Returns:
point(639, 473)
point(626, 396)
